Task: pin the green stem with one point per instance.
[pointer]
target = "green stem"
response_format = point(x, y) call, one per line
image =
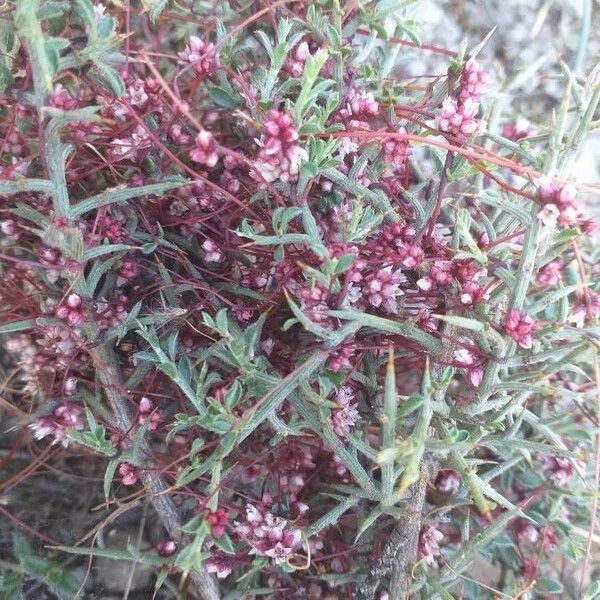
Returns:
point(389, 428)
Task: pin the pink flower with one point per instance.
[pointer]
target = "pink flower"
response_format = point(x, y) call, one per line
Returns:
point(136, 94)
point(429, 544)
point(517, 130)
point(280, 155)
point(382, 288)
point(61, 98)
point(439, 276)
point(530, 567)
point(473, 364)
point(448, 482)
point(128, 271)
point(344, 415)
point(520, 327)
point(313, 301)
point(360, 104)
point(212, 252)
point(586, 308)
point(132, 147)
point(81, 130)
point(339, 360)
point(147, 410)
point(220, 565)
point(473, 81)
point(294, 63)
point(57, 424)
point(70, 386)
point(396, 242)
point(459, 120)
point(129, 474)
point(551, 274)
point(550, 539)
point(10, 229)
point(549, 215)
point(268, 535)
point(72, 311)
point(112, 314)
point(166, 547)
point(112, 229)
point(201, 55)
point(525, 531)
point(560, 200)
point(177, 135)
point(205, 151)
point(217, 520)
point(558, 469)
point(396, 152)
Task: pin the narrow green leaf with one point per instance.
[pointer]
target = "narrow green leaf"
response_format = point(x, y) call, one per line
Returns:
point(331, 517)
point(17, 326)
point(123, 193)
point(403, 328)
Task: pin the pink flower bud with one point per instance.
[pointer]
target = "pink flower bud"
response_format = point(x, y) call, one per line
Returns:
point(520, 327)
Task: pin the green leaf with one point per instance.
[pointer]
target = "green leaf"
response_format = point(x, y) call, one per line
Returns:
point(551, 585)
point(367, 521)
point(224, 543)
point(122, 193)
point(60, 118)
point(254, 416)
point(11, 584)
point(477, 544)
point(388, 435)
point(592, 592)
point(52, 9)
point(109, 475)
point(314, 64)
point(403, 328)
point(154, 8)
point(224, 98)
point(377, 198)
point(128, 555)
point(300, 315)
point(550, 298)
point(85, 11)
point(26, 185)
point(99, 269)
point(110, 78)
point(17, 326)
point(98, 251)
point(462, 322)
point(413, 402)
point(332, 516)
point(95, 439)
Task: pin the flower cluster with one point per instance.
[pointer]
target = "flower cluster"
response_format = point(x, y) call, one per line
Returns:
point(57, 424)
point(201, 55)
point(429, 544)
point(205, 151)
point(382, 288)
point(72, 310)
point(459, 119)
point(560, 202)
point(458, 115)
point(280, 153)
point(345, 414)
point(520, 328)
point(268, 535)
point(294, 63)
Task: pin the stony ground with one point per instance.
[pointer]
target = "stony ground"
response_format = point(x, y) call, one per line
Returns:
point(528, 34)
